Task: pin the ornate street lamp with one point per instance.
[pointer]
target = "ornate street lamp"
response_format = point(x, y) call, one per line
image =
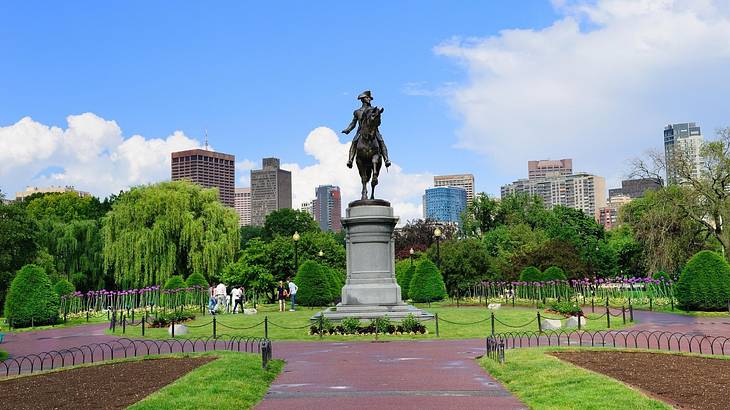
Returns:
point(437, 234)
point(296, 238)
point(411, 252)
point(320, 254)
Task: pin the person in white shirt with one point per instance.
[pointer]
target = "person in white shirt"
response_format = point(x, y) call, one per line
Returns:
point(237, 295)
point(293, 288)
point(220, 295)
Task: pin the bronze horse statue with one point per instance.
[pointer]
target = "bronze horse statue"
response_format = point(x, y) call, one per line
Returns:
point(368, 151)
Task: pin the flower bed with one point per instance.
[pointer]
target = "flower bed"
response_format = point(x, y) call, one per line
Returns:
point(352, 326)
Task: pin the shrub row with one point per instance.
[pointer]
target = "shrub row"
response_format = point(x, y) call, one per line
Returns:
point(353, 326)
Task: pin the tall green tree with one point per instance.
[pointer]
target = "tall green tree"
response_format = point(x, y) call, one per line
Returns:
point(419, 235)
point(18, 243)
point(155, 231)
point(286, 221)
point(463, 262)
point(480, 216)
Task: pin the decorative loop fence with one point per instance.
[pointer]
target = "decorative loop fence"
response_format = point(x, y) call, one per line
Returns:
point(495, 349)
point(627, 339)
point(125, 348)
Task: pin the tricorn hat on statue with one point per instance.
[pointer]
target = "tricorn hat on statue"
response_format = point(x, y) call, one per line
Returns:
point(364, 94)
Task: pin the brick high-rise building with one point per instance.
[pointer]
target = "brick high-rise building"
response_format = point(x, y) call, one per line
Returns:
point(465, 181)
point(270, 190)
point(208, 169)
point(243, 206)
point(547, 167)
point(328, 208)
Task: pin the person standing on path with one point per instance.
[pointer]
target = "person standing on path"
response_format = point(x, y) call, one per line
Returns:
point(281, 293)
point(220, 295)
point(293, 294)
point(237, 295)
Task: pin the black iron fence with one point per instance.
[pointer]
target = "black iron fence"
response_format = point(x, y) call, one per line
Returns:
point(495, 349)
point(125, 348)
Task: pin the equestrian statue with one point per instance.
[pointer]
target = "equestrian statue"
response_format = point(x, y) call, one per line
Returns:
point(367, 150)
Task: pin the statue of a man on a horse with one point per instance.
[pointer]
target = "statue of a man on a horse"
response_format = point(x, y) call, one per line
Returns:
point(367, 149)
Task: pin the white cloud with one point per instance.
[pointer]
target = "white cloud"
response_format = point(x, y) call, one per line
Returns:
point(597, 85)
point(90, 153)
point(403, 190)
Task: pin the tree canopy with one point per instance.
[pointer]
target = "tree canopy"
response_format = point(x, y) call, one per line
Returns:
point(285, 222)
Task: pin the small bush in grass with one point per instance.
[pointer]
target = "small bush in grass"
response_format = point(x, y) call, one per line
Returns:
point(411, 324)
point(314, 282)
point(566, 308)
point(427, 284)
point(196, 279)
point(63, 287)
point(350, 325)
point(531, 274)
point(662, 276)
point(175, 282)
point(553, 273)
point(704, 283)
point(31, 298)
point(404, 274)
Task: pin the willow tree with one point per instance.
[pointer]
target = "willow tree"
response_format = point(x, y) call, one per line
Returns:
point(153, 232)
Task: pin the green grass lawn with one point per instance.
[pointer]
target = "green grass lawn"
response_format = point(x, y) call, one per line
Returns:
point(545, 382)
point(295, 325)
point(70, 322)
point(3, 355)
point(233, 381)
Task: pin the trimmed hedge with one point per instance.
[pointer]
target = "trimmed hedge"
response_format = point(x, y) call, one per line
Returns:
point(531, 274)
point(31, 298)
point(553, 273)
point(64, 287)
point(175, 282)
point(404, 271)
point(314, 283)
point(427, 284)
point(196, 279)
point(704, 283)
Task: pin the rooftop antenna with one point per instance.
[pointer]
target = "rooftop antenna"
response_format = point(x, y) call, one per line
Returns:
point(206, 140)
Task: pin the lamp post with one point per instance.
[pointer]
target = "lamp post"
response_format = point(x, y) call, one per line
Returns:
point(437, 234)
point(295, 238)
point(411, 252)
point(320, 254)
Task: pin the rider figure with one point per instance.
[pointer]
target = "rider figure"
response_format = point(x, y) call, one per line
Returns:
point(365, 98)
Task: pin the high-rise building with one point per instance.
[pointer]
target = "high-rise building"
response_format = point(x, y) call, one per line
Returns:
point(547, 168)
point(682, 144)
point(208, 169)
point(465, 181)
point(308, 207)
point(243, 206)
point(270, 190)
point(608, 215)
point(580, 191)
point(636, 188)
point(444, 204)
point(19, 196)
point(328, 208)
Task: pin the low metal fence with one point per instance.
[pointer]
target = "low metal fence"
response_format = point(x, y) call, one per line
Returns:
point(495, 349)
point(126, 348)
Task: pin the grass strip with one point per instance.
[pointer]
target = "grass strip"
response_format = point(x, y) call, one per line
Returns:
point(3, 355)
point(545, 382)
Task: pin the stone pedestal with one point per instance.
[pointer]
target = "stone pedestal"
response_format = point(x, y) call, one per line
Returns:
point(371, 289)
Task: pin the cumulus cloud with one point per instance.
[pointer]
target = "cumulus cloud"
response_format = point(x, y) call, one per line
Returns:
point(90, 153)
point(597, 85)
point(403, 190)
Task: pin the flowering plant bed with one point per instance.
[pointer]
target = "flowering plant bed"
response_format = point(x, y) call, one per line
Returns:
point(166, 319)
point(352, 326)
point(566, 309)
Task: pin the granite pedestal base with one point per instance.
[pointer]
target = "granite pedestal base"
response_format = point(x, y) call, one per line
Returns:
point(371, 290)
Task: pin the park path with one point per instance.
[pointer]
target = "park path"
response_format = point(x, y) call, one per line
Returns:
point(24, 343)
point(429, 374)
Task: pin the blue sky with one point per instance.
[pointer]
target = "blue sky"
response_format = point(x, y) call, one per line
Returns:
point(261, 76)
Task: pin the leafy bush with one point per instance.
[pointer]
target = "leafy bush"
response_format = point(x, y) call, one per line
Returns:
point(63, 287)
point(166, 319)
point(350, 325)
point(553, 273)
point(411, 324)
point(704, 283)
point(531, 274)
point(336, 281)
point(427, 284)
point(31, 299)
point(196, 279)
point(175, 282)
point(567, 308)
point(382, 324)
point(662, 276)
point(314, 285)
point(404, 271)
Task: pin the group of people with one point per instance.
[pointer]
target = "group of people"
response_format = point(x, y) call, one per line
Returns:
point(218, 301)
point(219, 297)
point(284, 291)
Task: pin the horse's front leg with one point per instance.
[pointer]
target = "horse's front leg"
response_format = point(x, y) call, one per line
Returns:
point(376, 173)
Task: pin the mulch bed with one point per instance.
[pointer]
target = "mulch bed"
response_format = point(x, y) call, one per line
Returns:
point(683, 381)
point(105, 386)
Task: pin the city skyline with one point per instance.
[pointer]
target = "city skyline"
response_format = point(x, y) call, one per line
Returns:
point(467, 89)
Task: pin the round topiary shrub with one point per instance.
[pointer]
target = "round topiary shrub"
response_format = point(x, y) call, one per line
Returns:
point(175, 282)
point(553, 273)
point(531, 274)
point(314, 285)
point(31, 299)
point(63, 287)
point(336, 281)
point(196, 279)
point(704, 283)
point(427, 284)
point(404, 271)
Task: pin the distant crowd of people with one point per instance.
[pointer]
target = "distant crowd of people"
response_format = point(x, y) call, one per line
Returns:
point(220, 300)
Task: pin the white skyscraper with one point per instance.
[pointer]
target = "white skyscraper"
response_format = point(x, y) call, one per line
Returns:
point(242, 201)
point(682, 144)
